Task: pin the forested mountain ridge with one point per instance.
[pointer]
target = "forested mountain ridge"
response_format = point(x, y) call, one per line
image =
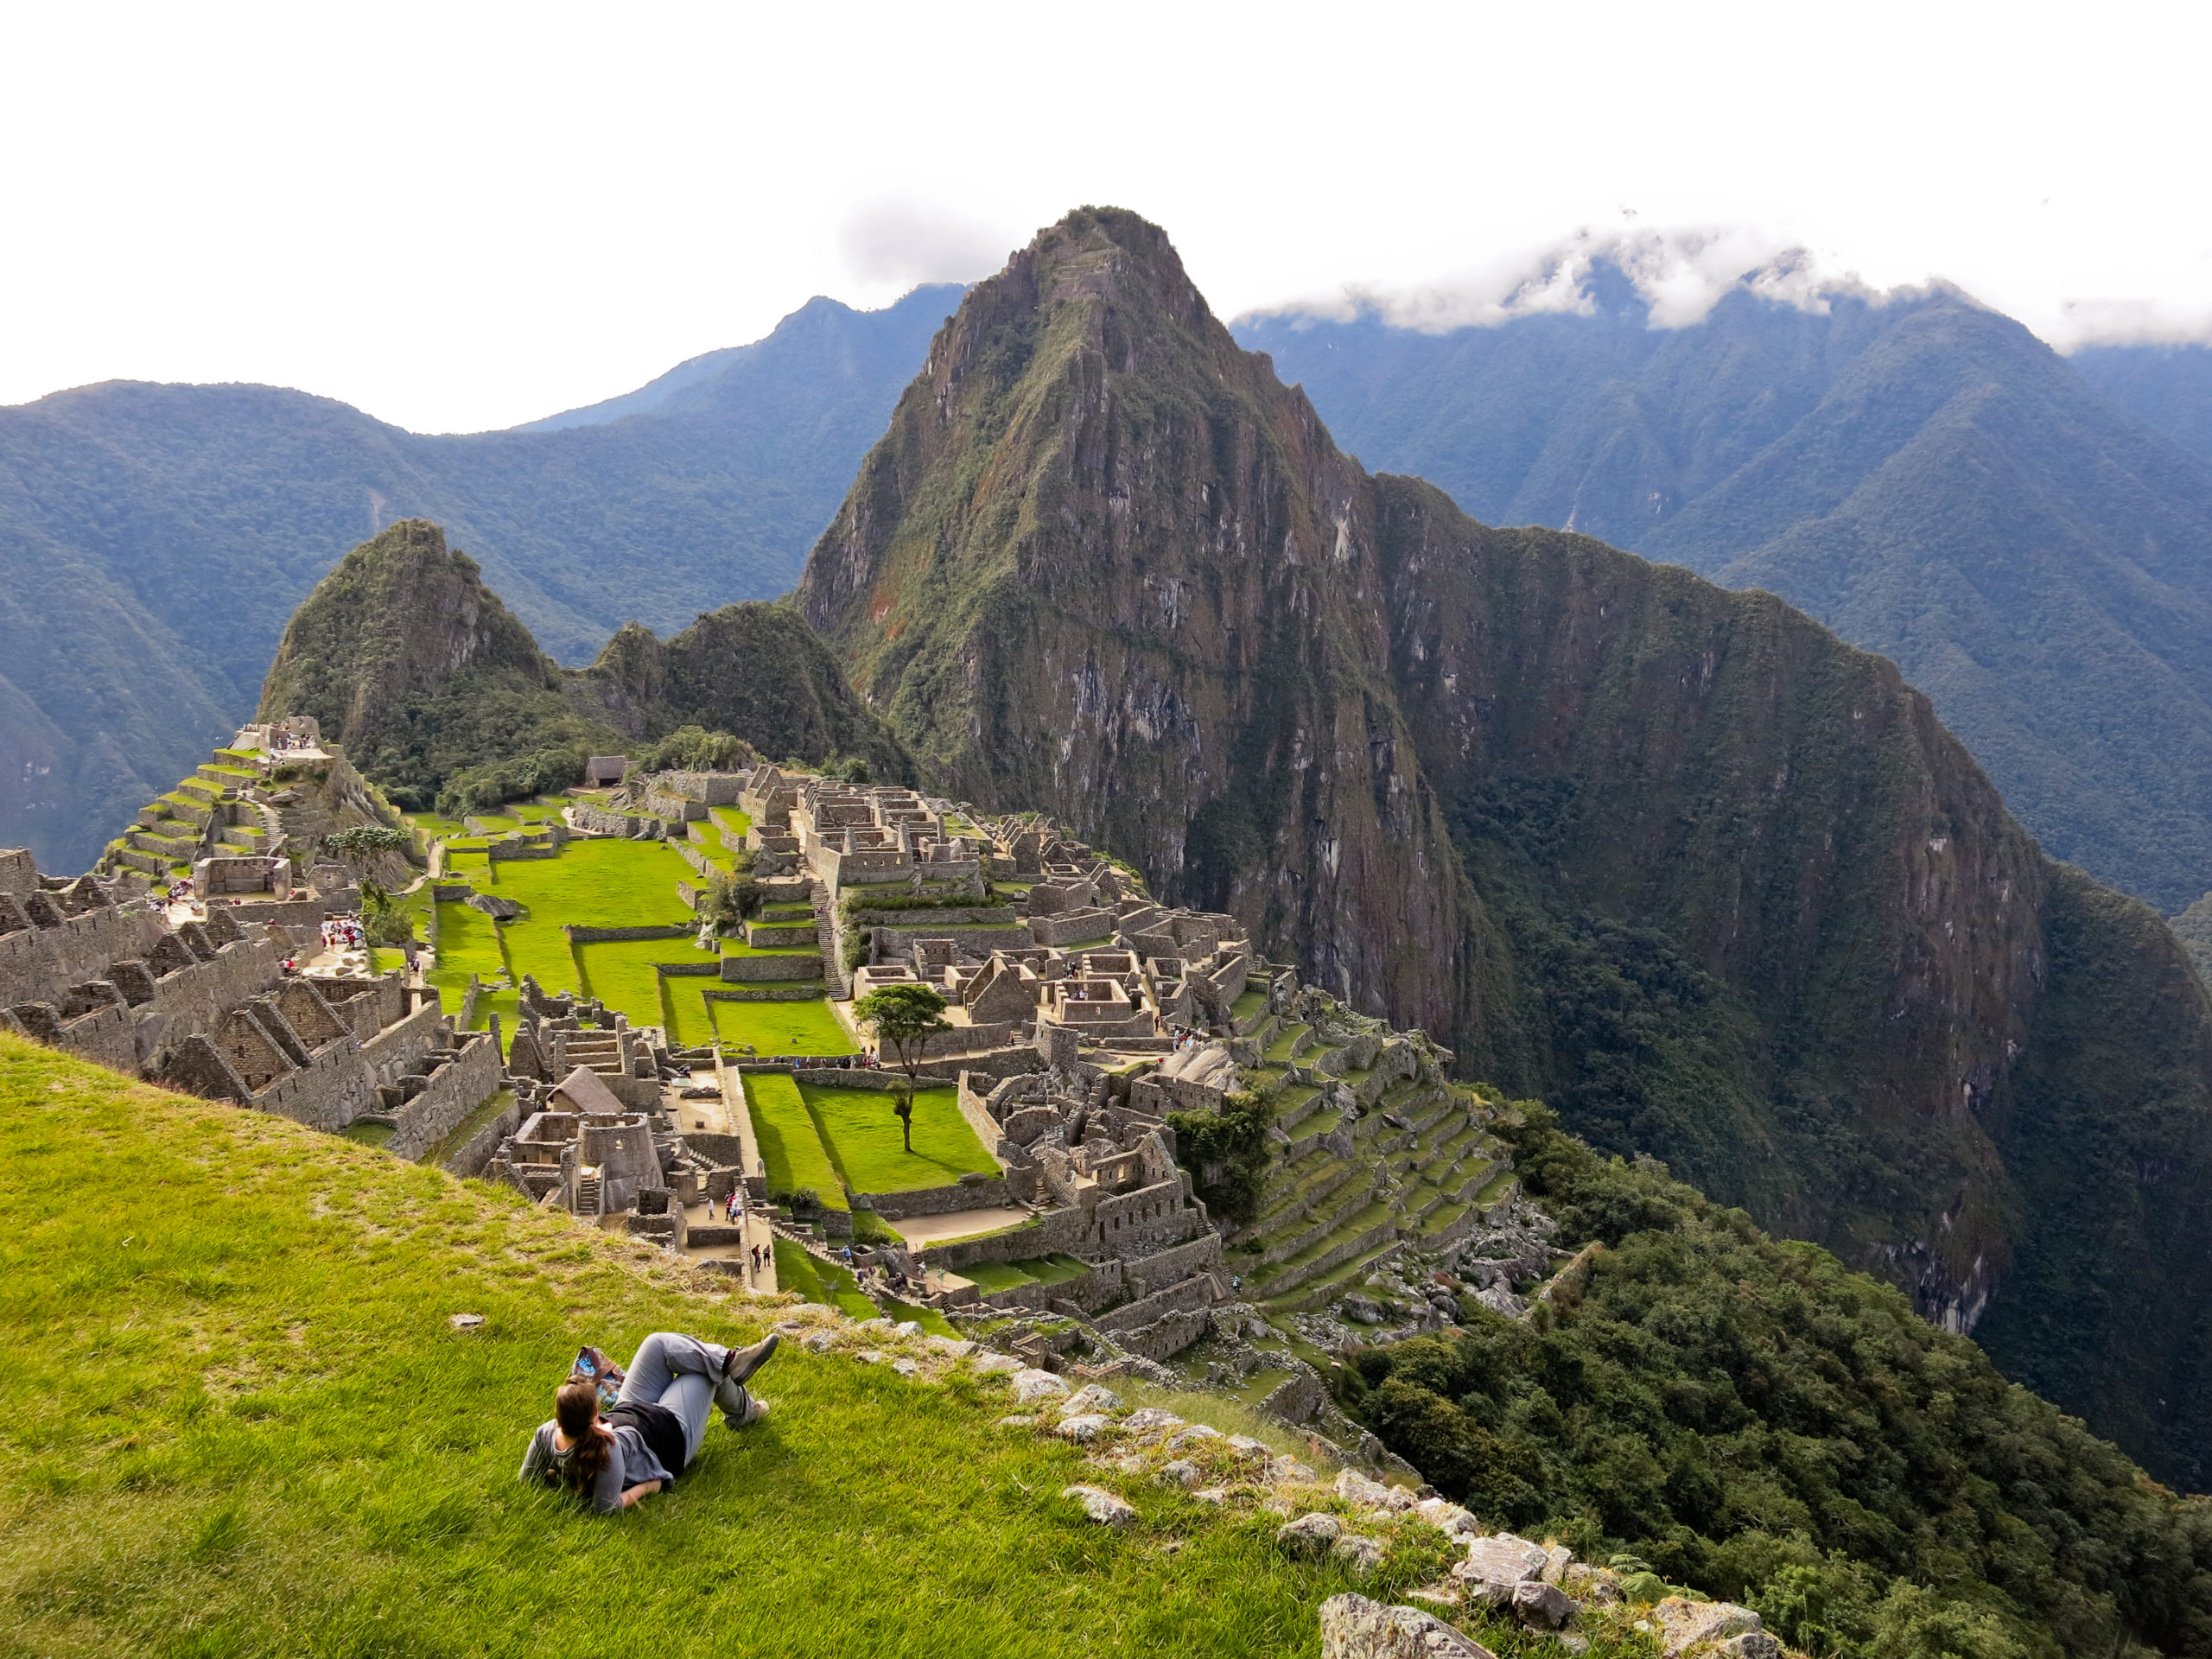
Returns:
point(2167, 385)
point(1915, 471)
point(1676, 858)
point(154, 538)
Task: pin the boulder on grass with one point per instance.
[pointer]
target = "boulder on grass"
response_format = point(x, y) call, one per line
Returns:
point(1684, 1624)
point(1496, 1565)
point(1543, 1606)
point(1352, 1627)
point(1101, 1505)
point(1310, 1535)
point(1358, 1551)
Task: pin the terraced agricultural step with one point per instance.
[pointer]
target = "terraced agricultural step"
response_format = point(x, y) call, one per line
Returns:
point(765, 935)
point(1287, 1040)
point(1334, 1283)
point(1374, 1226)
point(1447, 1223)
point(1295, 1104)
point(1497, 1189)
point(1418, 1204)
point(1296, 1205)
point(1321, 1220)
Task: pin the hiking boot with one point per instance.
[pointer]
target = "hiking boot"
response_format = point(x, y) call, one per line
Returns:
point(743, 1362)
point(755, 1410)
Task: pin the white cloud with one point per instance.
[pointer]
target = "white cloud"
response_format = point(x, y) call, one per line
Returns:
point(1680, 275)
point(2128, 322)
point(900, 244)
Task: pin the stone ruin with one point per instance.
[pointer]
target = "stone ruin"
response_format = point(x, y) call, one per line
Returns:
point(209, 1008)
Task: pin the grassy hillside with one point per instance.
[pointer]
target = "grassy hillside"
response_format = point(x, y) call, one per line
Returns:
point(236, 1421)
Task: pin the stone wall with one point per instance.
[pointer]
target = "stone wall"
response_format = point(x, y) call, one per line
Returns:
point(1169, 1335)
point(600, 935)
point(1157, 1214)
point(987, 1194)
point(470, 1158)
point(195, 997)
point(397, 1051)
point(455, 1089)
point(890, 943)
point(755, 970)
point(1061, 1230)
point(1149, 1274)
point(1186, 1296)
point(66, 948)
point(707, 788)
point(1074, 927)
point(328, 1092)
point(18, 870)
point(278, 913)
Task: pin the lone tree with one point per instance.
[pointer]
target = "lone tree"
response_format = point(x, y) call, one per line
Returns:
point(904, 1017)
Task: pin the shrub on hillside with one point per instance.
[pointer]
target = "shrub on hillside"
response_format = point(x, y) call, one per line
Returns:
point(693, 748)
point(1226, 1152)
point(480, 788)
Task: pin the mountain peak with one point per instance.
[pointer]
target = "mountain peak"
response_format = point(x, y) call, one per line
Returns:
point(1598, 823)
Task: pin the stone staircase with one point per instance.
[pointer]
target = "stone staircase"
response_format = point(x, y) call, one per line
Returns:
point(587, 1195)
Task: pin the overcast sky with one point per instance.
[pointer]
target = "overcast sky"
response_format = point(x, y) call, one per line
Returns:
point(461, 216)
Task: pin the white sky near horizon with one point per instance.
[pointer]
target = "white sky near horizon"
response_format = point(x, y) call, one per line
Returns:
point(464, 216)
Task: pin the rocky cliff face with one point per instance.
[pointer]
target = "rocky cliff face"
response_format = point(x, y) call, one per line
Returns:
point(1718, 884)
point(1103, 564)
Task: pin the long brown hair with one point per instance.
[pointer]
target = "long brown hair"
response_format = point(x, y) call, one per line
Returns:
point(576, 1408)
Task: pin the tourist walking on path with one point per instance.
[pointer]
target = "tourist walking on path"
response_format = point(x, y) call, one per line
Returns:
point(652, 1432)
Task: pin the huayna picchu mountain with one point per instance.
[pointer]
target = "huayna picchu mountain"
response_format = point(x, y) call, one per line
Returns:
point(405, 656)
point(1718, 884)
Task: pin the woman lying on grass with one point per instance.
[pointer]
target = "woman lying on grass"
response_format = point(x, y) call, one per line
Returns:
point(652, 1432)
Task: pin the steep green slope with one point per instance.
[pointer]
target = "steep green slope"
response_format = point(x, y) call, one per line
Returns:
point(1919, 473)
point(407, 658)
point(153, 539)
point(1747, 1417)
point(1718, 883)
point(236, 1421)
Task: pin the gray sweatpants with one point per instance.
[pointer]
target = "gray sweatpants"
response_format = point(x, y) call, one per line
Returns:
point(683, 1374)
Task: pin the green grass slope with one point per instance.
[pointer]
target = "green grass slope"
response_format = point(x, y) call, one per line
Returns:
point(236, 1421)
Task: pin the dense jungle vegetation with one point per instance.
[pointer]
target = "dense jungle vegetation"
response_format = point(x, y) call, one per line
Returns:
point(1748, 1418)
